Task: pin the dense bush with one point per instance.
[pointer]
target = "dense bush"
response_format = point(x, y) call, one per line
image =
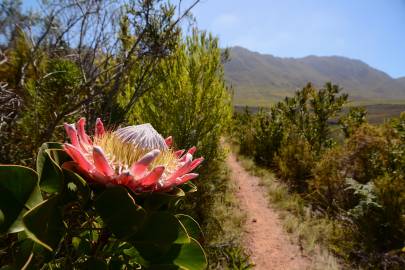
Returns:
point(355, 177)
point(294, 131)
point(294, 162)
point(191, 102)
point(268, 135)
point(243, 128)
point(363, 157)
point(328, 185)
point(67, 59)
point(352, 120)
point(363, 181)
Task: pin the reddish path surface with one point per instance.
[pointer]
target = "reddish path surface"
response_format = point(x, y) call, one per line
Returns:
point(264, 237)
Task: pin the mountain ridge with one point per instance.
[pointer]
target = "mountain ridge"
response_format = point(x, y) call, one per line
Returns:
point(265, 77)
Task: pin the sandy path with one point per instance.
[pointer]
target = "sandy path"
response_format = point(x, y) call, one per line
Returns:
point(264, 237)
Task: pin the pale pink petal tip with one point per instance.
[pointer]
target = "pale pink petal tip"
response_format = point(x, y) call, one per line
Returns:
point(78, 157)
point(99, 132)
point(179, 172)
point(72, 133)
point(101, 162)
point(192, 150)
point(179, 153)
point(169, 141)
point(139, 167)
point(186, 157)
point(185, 178)
point(84, 138)
point(195, 163)
point(153, 177)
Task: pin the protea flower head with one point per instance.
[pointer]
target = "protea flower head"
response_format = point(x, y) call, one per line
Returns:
point(137, 157)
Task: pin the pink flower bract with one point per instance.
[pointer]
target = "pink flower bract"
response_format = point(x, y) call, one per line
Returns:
point(135, 156)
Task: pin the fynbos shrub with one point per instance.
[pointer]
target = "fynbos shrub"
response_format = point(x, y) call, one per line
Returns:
point(295, 162)
point(106, 202)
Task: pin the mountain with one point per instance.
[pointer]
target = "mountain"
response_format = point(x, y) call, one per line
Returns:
point(401, 81)
point(258, 79)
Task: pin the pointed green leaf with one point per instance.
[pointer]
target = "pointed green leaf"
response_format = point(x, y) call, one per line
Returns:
point(189, 187)
point(94, 263)
point(155, 201)
point(19, 192)
point(163, 267)
point(191, 225)
point(191, 257)
point(119, 211)
point(156, 237)
point(50, 158)
point(51, 145)
point(24, 254)
point(44, 223)
point(78, 189)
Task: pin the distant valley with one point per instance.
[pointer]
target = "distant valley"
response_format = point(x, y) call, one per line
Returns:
point(260, 79)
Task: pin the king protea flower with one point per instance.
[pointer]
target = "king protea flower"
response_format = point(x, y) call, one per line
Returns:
point(137, 157)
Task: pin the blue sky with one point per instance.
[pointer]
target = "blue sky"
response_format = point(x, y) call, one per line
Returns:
point(370, 30)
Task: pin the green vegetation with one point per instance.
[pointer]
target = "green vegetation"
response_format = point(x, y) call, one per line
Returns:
point(341, 179)
point(376, 113)
point(127, 62)
point(314, 234)
point(65, 60)
point(221, 221)
point(53, 218)
point(191, 103)
point(354, 183)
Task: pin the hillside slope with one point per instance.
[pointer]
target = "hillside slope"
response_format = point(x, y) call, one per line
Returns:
point(260, 78)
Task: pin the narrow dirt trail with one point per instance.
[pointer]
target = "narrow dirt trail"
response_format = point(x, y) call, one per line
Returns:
point(264, 237)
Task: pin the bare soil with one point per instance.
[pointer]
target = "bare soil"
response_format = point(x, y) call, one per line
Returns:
point(264, 238)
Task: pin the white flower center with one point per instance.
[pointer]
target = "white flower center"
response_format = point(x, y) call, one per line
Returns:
point(142, 136)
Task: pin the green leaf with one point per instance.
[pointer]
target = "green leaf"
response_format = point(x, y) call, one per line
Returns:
point(19, 192)
point(24, 254)
point(189, 187)
point(50, 158)
point(191, 225)
point(78, 189)
point(160, 231)
point(81, 245)
point(163, 267)
point(115, 264)
point(51, 145)
point(44, 223)
point(191, 257)
point(94, 263)
point(160, 227)
point(120, 212)
point(155, 201)
point(58, 154)
point(134, 256)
